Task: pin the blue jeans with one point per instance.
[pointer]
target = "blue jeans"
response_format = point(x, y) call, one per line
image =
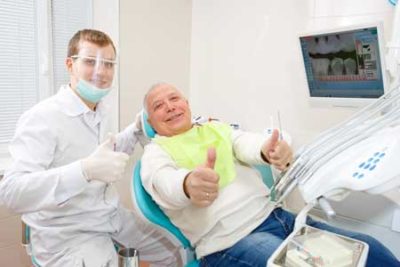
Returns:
point(255, 249)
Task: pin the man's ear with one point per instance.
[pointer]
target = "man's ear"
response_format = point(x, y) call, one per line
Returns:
point(150, 123)
point(69, 64)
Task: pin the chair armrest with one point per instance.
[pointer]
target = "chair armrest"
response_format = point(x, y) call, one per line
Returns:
point(151, 210)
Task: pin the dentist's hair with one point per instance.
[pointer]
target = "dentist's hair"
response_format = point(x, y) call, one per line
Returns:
point(93, 36)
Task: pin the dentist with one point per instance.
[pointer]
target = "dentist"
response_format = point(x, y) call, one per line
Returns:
point(62, 172)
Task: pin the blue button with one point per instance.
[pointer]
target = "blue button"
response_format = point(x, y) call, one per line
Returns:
point(372, 167)
point(360, 176)
point(370, 159)
point(376, 154)
point(367, 166)
point(376, 161)
point(361, 165)
point(355, 174)
point(382, 155)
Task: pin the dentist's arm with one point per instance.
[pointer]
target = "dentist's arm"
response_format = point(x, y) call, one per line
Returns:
point(132, 134)
point(31, 184)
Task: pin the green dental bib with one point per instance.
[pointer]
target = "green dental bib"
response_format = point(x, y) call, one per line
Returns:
point(189, 149)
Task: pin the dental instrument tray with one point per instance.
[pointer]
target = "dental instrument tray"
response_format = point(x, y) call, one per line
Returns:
point(311, 247)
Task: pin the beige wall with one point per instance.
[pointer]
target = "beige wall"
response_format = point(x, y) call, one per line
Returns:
point(154, 46)
point(11, 251)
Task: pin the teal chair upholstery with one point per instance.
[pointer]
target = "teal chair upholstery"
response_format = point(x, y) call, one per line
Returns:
point(26, 242)
point(268, 178)
point(152, 212)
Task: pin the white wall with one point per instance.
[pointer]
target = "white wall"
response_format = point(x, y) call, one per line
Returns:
point(250, 52)
point(246, 64)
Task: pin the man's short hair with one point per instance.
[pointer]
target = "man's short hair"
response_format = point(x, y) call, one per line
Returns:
point(94, 36)
point(154, 86)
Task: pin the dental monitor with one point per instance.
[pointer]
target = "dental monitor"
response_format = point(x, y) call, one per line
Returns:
point(344, 67)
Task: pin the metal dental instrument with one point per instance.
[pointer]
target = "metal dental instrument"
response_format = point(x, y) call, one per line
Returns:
point(280, 126)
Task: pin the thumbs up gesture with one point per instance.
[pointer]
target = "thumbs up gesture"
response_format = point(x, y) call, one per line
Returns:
point(277, 152)
point(104, 164)
point(201, 185)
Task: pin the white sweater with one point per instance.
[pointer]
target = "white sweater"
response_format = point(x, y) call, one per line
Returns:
point(239, 208)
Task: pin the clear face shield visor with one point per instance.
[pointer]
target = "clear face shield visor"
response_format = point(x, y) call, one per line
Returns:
point(96, 70)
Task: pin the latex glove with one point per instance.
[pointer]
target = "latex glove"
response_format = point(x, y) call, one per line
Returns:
point(277, 152)
point(143, 140)
point(201, 185)
point(104, 164)
point(138, 121)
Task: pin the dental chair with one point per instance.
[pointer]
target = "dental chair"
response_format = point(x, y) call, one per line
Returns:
point(26, 243)
point(150, 211)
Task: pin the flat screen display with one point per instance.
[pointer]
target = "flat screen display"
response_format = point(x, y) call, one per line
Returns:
point(344, 64)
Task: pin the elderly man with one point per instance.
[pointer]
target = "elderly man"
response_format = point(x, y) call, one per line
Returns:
point(61, 178)
point(200, 175)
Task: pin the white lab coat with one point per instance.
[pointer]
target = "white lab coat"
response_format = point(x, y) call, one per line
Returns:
point(71, 219)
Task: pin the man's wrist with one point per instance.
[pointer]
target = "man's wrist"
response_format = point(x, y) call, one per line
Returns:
point(186, 185)
point(264, 157)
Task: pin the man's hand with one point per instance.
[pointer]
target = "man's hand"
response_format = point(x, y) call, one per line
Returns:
point(201, 185)
point(277, 152)
point(104, 164)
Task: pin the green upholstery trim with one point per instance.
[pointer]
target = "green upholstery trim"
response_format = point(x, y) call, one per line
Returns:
point(268, 178)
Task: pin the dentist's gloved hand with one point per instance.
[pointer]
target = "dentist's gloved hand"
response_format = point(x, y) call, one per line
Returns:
point(138, 121)
point(139, 133)
point(104, 164)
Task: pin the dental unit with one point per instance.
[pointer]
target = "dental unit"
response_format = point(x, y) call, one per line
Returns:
point(360, 154)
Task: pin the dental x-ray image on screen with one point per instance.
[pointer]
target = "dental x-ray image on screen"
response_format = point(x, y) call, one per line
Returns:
point(344, 64)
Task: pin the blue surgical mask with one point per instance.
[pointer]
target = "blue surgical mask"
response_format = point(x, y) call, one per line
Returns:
point(90, 92)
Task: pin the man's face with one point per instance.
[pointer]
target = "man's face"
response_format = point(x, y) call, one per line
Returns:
point(92, 64)
point(168, 111)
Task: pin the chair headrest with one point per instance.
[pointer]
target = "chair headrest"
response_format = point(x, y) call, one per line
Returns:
point(148, 131)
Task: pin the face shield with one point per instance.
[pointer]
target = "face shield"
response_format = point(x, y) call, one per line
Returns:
point(95, 73)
